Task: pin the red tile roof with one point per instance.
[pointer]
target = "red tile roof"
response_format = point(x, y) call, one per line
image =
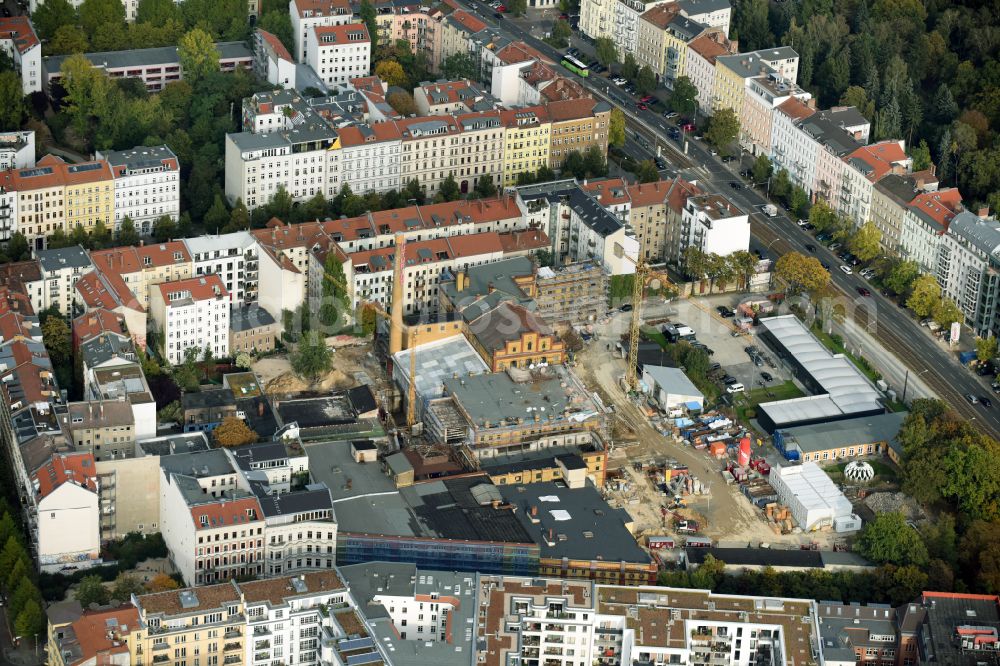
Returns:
point(712, 45)
point(339, 35)
point(78, 468)
point(275, 44)
point(524, 240)
point(383, 131)
point(517, 117)
point(13, 325)
point(938, 207)
point(881, 157)
point(95, 323)
point(431, 251)
point(226, 513)
point(315, 8)
point(18, 29)
point(468, 21)
point(796, 109)
point(608, 191)
point(99, 639)
point(662, 15)
point(519, 52)
point(202, 288)
point(570, 109)
point(369, 83)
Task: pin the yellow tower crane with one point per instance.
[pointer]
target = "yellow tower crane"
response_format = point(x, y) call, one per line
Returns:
point(643, 276)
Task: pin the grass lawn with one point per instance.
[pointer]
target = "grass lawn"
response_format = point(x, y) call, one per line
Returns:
point(750, 400)
point(883, 471)
point(651, 333)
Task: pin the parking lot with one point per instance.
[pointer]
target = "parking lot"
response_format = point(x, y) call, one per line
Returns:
point(716, 332)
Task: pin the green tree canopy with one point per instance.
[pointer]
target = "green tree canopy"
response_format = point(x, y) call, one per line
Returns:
point(647, 172)
point(616, 128)
point(723, 129)
point(761, 169)
point(91, 590)
point(801, 273)
point(924, 296)
point(459, 66)
point(889, 539)
point(198, 55)
point(311, 358)
point(683, 98)
point(865, 243)
point(12, 106)
point(607, 52)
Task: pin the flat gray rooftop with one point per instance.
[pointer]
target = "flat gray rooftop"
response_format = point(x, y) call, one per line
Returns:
point(436, 361)
point(848, 432)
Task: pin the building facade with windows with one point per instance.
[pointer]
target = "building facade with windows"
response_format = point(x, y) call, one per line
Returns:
point(339, 53)
point(192, 314)
point(146, 185)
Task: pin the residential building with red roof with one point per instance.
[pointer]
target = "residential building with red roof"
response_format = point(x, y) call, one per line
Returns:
point(18, 39)
point(447, 97)
point(339, 53)
point(459, 33)
point(97, 637)
point(191, 314)
point(67, 511)
point(862, 169)
point(891, 196)
point(368, 159)
point(527, 141)
point(578, 125)
point(699, 64)
point(926, 220)
point(272, 61)
point(308, 14)
point(146, 185)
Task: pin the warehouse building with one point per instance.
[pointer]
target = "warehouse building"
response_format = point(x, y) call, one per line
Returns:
point(671, 389)
point(852, 438)
point(811, 496)
point(839, 390)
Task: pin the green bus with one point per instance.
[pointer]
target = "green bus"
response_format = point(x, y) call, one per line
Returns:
point(575, 66)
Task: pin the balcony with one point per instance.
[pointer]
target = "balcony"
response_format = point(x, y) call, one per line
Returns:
point(262, 645)
point(229, 647)
point(161, 658)
point(232, 659)
point(160, 646)
point(261, 631)
point(233, 632)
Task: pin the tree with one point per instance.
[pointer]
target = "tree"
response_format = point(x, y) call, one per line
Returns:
point(986, 349)
point(186, 374)
point(647, 172)
point(164, 228)
point(595, 163)
point(334, 292)
point(12, 107)
point(69, 39)
point(888, 539)
point(161, 582)
point(17, 247)
point(921, 156)
point(51, 16)
point(125, 586)
point(752, 25)
point(157, 12)
point(645, 80)
point(402, 102)
point(857, 97)
point(561, 32)
point(616, 128)
point(233, 431)
point(723, 128)
point(127, 235)
point(798, 202)
point(31, 620)
point(901, 276)
point(574, 164)
point(368, 16)
point(95, 14)
point(743, 264)
point(924, 296)
point(607, 52)
point(91, 590)
point(279, 24)
point(865, 243)
point(485, 186)
point(392, 73)
point(57, 337)
point(761, 169)
point(801, 273)
point(311, 358)
point(448, 190)
point(695, 262)
point(781, 185)
point(822, 216)
point(684, 98)
point(517, 7)
point(630, 68)
point(217, 216)
point(239, 217)
point(198, 55)
point(459, 66)
point(946, 313)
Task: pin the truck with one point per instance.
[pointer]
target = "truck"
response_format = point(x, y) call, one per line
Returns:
point(769, 209)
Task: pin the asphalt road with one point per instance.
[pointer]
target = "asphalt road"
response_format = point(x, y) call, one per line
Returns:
point(888, 323)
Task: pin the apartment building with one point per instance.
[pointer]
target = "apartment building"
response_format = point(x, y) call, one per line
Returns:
point(891, 196)
point(369, 159)
point(447, 97)
point(143, 268)
point(103, 428)
point(429, 147)
point(125, 383)
point(339, 53)
point(573, 293)
point(656, 215)
point(93, 637)
point(968, 269)
point(40, 206)
point(715, 225)
point(66, 503)
point(89, 195)
point(504, 64)
point(17, 150)
point(8, 213)
point(155, 67)
point(213, 529)
point(815, 158)
point(792, 149)
point(577, 125)
point(98, 292)
point(146, 185)
point(734, 72)
point(192, 314)
point(663, 35)
point(19, 41)
point(480, 149)
point(527, 141)
point(862, 169)
point(418, 26)
point(60, 271)
point(461, 33)
point(174, 626)
point(763, 95)
point(700, 65)
point(233, 257)
point(309, 14)
point(617, 19)
point(272, 61)
point(252, 329)
point(926, 220)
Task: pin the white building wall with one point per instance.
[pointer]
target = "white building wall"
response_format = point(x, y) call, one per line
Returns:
point(177, 529)
point(279, 288)
point(68, 526)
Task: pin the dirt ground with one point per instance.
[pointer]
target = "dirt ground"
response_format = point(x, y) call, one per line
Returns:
point(276, 376)
point(723, 512)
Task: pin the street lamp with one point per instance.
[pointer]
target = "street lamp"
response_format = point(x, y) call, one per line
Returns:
point(906, 382)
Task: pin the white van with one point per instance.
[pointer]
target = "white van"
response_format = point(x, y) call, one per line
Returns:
point(735, 388)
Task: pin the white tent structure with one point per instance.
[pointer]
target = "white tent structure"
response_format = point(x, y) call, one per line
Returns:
point(809, 493)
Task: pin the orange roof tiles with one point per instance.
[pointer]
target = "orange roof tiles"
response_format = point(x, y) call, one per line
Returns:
point(314, 8)
point(562, 88)
point(430, 251)
point(662, 15)
point(711, 45)
point(369, 83)
point(201, 288)
point(467, 21)
point(163, 254)
point(95, 293)
point(527, 115)
point(78, 468)
point(383, 131)
point(87, 172)
point(881, 157)
point(275, 590)
point(34, 380)
point(99, 639)
point(452, 90)
point(938, 207)
point(607, 191)
point(95, 323)
point(796, 109)
point(226, 513)
point(648, 194)
point(12, 326)
point(570, 109)
point(275, 44)
point(208, 597)
point(339, 35)
point(519, 52)
point(524, 240)
point(19, 30)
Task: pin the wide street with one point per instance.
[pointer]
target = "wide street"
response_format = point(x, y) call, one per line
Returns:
point(892, 326)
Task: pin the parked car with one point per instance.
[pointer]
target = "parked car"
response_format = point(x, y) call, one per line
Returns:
point(647, 99)
point(752, 350)
point(660, 163)
point(670, 114)
point(835, 246)
point(766, 376)
point(985, 402)
point(729, 379)
point(736, 186)
point(573, 52)
point(688, 127)
point(824, 265)
point(801, 222)
point(626, 308)
point(846, 269)
point(735, 388)
point(641, 107)
point(973, 400)
point(810, 247)
point(864, 292)
point(725, 312)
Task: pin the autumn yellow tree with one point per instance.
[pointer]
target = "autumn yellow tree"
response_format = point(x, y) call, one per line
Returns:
point(392, 73)
point(801, 273)
point(233, 432)
point(162, 583)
